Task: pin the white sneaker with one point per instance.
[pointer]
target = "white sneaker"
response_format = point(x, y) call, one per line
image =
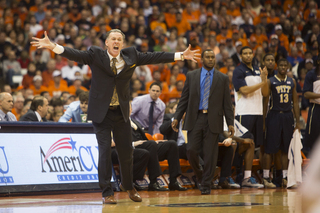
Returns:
point(232, 184)
point(251, 183)
point(268, 184)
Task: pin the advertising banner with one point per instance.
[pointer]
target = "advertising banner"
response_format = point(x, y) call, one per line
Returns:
point(29, 159)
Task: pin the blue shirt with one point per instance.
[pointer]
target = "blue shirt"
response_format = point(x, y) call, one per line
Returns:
point(203, 76)
point(73, 112)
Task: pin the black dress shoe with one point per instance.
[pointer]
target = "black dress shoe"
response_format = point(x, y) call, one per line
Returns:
point(176, 186)
point(224, 184)
point(156, 187)
point(205, 191)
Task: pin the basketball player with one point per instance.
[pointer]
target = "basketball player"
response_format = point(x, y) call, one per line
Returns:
point(280, 121)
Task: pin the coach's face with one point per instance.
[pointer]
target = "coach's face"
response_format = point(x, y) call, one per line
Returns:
point(114, 43)
point(208, 60)
point(155, 92)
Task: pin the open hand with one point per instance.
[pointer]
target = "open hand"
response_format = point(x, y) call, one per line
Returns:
point(191, 54)
point(43, 42)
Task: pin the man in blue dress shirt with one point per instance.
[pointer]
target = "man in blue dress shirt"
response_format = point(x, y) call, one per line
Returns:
point(76, 109)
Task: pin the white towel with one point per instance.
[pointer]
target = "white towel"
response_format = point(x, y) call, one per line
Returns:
point(295, 160)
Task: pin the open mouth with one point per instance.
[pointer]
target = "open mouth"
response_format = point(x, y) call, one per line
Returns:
point(115, 48)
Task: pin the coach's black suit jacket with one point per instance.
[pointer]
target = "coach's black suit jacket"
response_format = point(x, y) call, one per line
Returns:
point(30, 116)
point(106, 120)
point(103, 79)
point(219, 101)
point(204, 128)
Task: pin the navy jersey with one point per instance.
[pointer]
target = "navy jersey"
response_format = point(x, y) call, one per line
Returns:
point(312, 84)
point(281, 93)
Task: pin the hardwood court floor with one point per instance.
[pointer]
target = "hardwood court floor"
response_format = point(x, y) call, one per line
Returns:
point(224, 201)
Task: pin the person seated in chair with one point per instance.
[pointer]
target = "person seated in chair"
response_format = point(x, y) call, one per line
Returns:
point(38, 110)
point(159, 151)
point(245, 147)
point(140, 162)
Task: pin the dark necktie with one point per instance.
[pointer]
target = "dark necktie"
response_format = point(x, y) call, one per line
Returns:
point(6, 117)
point(115, 98)
point(150, 129)
point(206, 92)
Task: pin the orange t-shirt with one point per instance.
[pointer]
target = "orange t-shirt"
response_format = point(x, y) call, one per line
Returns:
point(27, 81)
point(56, 92)
point(182, 27)
point(260, 39)
point(72, 90)
point(170, 19)
point(180, 77)
point(284, 41)
point(38, 91)
point(274, 20)
point(236, 12)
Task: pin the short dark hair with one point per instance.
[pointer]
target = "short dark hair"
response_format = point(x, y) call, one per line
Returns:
point(56, 102)
point(157, 84)
point(116, 31)
point(206, 50)
point(282, 59)
point(78, 92)
point(36, 102)
point(26, 101)
point(44, 92)
point(244, 48)
point(265, 56)
point(84, 96)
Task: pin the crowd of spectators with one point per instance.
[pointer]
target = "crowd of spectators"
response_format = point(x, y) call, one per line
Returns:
point(285, 28)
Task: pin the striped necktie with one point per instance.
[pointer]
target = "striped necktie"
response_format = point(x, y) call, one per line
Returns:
point(205, 101)
point(115, 98)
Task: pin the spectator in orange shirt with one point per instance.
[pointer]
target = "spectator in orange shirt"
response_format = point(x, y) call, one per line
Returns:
point(233, 10)
point(175, 71)
point(37, 86)
point(77, 84)
point(312, 7)
point(228, 63)
point(157, 78)
point(223, 34)
point(192, 16)
point(260, 38)
point(170, 17)
point(47, 75)
point(18, 102)
point(175, 94)
point(181, 24)
point(56, 88)
point(273, 19)
point(284, 41)
point(74, 15)
point(28, 78)
point(253, 43)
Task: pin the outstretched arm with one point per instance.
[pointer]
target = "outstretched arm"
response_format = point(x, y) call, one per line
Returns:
point(84, 57)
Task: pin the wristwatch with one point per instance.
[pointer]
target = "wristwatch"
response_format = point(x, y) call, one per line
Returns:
point(182, 58)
